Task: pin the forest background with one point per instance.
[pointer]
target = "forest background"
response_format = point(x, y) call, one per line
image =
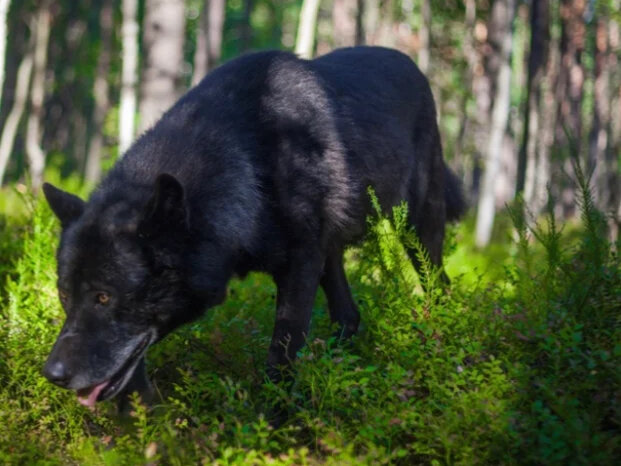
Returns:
point(529, 103)
point(517, 84)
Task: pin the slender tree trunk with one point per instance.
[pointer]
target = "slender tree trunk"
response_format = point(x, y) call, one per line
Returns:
point(371, 21)
point(215, 30)
point(208, 38)
point(500, 114)
point(127, 111)
point(360, 30)
point(305, 41)
point(164, 32)
point(614, 123)
point(537, 58)
point(424, 35)
point(201, 58)
point(466, 166)
point(348, 22)
point(385, 33)
point(34, 152)
point(538, 176)
point(22, 86)
point(100, 91)
point(598, 137)
point(569, 93)
point(324, 39)
point(344, 22)
point(488, 44)
point(4, 11)
point(571, 78)
point(246, 27)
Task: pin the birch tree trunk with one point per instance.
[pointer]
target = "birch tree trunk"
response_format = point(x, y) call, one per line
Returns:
point(485, 72)
point(127, 111)
point(371, 20)
point(500, 114)
point(100, 91)
point(424, 36)
point(614, 124)
point(4, 11)
point(34, 152)
point(344, 19)
point(467, 164)
point(164, 32)
point(215, 31)
point(603, 171)
point(571, 78)
point(22, 86)
point(360, 30)
point(201, 59)
point(208, 38)
point(538, 176)
point(537, 58)
point(305, 41)
point(569, 94)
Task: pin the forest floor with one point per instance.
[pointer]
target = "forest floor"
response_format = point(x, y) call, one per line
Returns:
point(517, 362)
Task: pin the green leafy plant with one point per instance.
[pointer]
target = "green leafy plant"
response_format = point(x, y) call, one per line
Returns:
point(521, 367)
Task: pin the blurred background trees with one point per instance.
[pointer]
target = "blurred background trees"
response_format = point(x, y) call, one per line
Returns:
point(524, 89)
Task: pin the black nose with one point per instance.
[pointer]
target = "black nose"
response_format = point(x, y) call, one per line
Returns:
point(57, 373)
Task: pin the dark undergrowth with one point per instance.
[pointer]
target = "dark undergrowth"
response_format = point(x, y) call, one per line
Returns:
point(517, 362)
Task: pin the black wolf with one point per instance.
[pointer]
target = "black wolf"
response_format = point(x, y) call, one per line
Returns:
point(264, 166)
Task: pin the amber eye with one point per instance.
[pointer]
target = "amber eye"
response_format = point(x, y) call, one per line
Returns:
point(103, 298)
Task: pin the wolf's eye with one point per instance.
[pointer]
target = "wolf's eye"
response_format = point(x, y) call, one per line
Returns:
point(103, 298)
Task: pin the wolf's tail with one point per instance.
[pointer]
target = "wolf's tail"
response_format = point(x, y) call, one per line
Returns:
point(453, 196)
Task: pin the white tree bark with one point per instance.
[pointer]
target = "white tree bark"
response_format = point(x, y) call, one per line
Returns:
point(424, 35)
point(599, 163)
point(466, 164)
point(34, 152)
point(22, 86)
point(92, 172)
point(4, 11)
point(344, 27)
point(127, 111)
point(208, 38)
point(215, 30)
point(305, 41)
point(164, 33)
point(500, 115)
point(536, 188)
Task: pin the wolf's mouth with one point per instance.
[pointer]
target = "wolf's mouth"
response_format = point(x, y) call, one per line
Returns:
point(109, 388)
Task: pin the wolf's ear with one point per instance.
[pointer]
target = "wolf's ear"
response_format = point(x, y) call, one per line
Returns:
point(166, 210)
point(66, 206)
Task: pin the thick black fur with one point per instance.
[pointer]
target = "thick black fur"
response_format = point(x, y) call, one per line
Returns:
point(262, 166)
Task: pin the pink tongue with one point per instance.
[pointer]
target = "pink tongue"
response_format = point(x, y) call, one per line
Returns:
point(88, 396)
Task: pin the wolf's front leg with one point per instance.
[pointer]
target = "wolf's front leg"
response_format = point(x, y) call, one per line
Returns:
point(138, 383)
point(297, 286)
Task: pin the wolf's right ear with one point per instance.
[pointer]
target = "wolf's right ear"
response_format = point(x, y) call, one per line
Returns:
point(66, 206)
point(166, 210)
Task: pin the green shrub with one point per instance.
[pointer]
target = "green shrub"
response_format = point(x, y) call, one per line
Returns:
point(516, 366)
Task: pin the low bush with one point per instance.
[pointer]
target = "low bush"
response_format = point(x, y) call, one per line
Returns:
point(515, 365)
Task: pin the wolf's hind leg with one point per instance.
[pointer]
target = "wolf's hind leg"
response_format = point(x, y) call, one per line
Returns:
point(297, 286)
point(430, 223)
point(341, 304)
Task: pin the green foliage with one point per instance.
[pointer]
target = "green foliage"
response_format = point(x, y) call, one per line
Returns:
point(521, 367)
point(566, 342)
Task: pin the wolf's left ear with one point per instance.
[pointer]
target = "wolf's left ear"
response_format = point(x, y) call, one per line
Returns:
point(66, 206)
point(166, 210)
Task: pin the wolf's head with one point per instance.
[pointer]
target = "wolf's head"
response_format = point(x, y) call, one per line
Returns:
point(122, 281)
